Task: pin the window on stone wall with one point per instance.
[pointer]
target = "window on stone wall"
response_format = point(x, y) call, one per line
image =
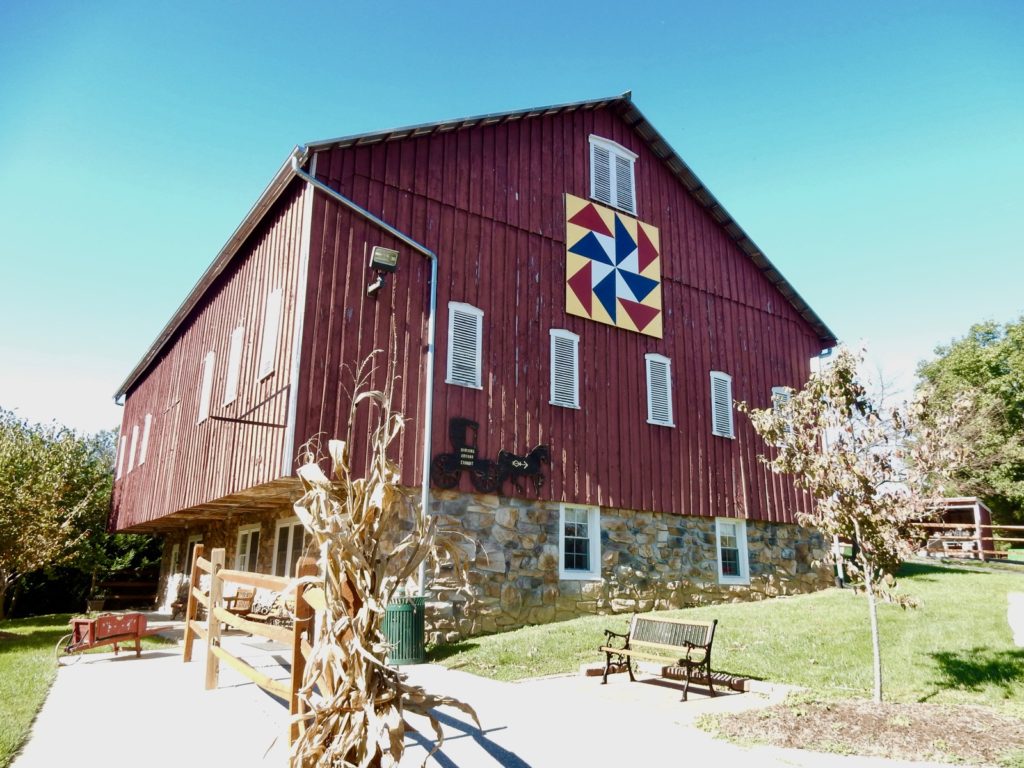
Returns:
point(289, 543)
point(190, 548)
point(731, 538)
point(247, 549)
point(579, 542)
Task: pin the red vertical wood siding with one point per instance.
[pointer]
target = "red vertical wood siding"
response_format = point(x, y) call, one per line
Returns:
point(490, 202)
point(188, 463)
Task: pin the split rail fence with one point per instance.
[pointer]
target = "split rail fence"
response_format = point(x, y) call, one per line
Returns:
point(298, 637)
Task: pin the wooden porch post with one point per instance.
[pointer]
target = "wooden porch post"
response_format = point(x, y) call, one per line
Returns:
point(977, 530)
point(303, 628)
point(212, 622)
point(190, 609)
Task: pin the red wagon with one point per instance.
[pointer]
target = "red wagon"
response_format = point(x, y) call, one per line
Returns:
point(107, 629)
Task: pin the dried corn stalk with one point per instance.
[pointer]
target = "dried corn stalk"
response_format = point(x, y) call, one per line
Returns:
point(371, 538)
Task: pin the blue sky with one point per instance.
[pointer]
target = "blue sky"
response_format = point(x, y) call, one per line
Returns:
point(875, 151)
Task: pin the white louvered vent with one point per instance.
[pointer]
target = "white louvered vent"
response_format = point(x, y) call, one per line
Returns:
point(721, 404)
point(234, 365)
point(271, 324)
point(120, 457)
point(781, 396)
point(144, 448)
point(659, 390)
point(206, 388)
point(565, 368)
point(601, 174)
point(624, 183)
point(611, 174)
point(131, 451)
point(465, 331)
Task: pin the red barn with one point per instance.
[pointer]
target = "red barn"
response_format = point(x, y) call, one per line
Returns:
point(561, 279)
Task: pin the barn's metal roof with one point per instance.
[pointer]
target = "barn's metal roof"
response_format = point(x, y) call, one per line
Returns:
point(622, 104)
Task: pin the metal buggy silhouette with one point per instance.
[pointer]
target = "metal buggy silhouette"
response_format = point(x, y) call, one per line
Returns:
point(446, 468)
point(487, 476)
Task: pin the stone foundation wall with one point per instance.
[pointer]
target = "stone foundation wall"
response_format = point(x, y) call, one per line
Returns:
point(649, 561)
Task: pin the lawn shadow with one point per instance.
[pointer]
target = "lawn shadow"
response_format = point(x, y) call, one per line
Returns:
point(447, 650)
point(978, 668)
point(917, 571)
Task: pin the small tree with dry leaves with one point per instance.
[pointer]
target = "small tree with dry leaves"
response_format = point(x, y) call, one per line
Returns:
point(371, 538)
point(872, 470)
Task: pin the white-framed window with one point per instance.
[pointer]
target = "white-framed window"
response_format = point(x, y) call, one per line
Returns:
point(271, 325)
point(175, 565)
point(659, 390)
point(234, 365)
point(144, 448)
point(721, 404)
point(611, 174)
point(731, 541)
point(465, 345)
point(190, 547)
point(120, 456)
point(206, 387)
point(131, 451)
point(579, 542)
point(289, 544)
point(247, 547)
point(565, 368)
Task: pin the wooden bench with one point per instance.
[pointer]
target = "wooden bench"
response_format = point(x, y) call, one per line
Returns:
point(682, 646)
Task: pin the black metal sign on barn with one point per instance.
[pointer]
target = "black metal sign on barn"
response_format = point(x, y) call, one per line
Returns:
point(487, 476)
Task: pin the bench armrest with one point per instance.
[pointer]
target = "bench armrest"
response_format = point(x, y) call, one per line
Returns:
point(608, 635)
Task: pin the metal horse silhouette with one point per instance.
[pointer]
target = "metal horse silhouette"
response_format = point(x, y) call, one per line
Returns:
point(515, 467)
point(487, 476)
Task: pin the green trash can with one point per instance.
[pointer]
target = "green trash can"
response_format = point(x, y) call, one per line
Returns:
point(403, 627)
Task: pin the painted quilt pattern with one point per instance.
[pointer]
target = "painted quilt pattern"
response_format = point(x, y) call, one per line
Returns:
point(613, 268)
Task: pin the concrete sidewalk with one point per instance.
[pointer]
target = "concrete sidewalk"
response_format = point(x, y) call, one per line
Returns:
point(123, 712)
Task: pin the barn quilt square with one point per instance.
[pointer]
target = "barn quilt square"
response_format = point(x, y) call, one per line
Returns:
point(613, 268)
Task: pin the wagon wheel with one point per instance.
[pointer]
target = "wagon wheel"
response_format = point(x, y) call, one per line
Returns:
point(442, 474)
point(62, 649)
point(485, 476)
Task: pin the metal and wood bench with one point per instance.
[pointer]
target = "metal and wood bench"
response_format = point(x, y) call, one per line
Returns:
point(682, 646)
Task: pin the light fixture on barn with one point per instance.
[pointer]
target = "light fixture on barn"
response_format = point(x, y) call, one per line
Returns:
point(382, 261)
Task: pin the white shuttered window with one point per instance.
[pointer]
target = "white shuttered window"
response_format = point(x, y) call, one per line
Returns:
point(234, 365)
point(206, 388)
point(721, 404)
point(565, 377)
point(271, 325)
point(659, 390)
point(465, 345)
point(611, 174)
point(144, 448)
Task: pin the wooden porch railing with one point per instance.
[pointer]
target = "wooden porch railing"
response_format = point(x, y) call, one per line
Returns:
point(299, 637)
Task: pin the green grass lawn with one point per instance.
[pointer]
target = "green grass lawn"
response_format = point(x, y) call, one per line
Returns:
point(28, 665)
point(955, 648)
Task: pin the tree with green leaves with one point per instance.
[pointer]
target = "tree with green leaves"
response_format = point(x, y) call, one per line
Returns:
point(55, 490)
point(988, 361)
point(871, 469)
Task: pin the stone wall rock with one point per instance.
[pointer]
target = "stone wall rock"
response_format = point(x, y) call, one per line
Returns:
point(649, 561)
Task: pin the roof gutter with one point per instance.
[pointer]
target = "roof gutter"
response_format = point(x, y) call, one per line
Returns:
point(298, 158)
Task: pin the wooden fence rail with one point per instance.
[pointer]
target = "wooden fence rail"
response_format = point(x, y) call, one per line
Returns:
point(298, 637)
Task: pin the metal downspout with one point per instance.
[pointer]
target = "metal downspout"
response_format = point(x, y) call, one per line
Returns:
point(298, 158)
